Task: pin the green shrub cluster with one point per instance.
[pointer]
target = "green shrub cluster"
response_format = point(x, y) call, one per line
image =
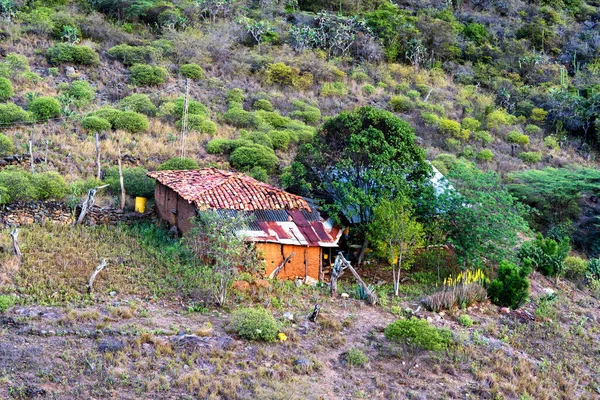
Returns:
point(368, 89)
point(483, 137)
point(178, 163)
point(485, 155)
point(64, 53)
point(531, 157)
point(305, 112)
point(21, 185)
point(43, 108)
point(131, 55)
point(511, 287)
point(401, 103)
point(334, 89)
point(135, 180)
point(10, 113)
point(465, 320)
point(470, 124)
point(254, 324)
point(517, 137)
point(82, 92)
point(284, 75)
point(263, 104)
point(6, 89)
point(139, 103)
point(147, 75)
point(6, 146)
point(418, 333)
point(450, 127)
point(6, 302)
point(192, 71)
point(197, 120)
point(575, 267)
point(247, 157)
point(129, 121)
point(95, 124)
point(356, 358)
point(219, 146)
point(545, 254)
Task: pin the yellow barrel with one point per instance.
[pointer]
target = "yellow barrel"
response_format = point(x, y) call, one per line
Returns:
point(140, 204)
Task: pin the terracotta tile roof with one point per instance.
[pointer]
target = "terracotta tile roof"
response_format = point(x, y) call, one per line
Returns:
point(211, 188)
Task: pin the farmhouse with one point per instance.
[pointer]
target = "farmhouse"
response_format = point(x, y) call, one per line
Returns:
point(281, 223)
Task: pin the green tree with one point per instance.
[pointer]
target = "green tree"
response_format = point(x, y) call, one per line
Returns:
point(511, 287)
point(43, 108)
point(481, 218)
point(395, 234)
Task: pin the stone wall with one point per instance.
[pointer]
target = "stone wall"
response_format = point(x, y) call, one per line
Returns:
point(24, 213)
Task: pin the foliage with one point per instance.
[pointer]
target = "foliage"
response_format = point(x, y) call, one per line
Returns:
point(247, 157)
point(135, 181)
point(575, 267)
point(593, 269)
point(259, 173)
point(6, 89)
point(305, 112)
point(284, 75)
point(49, 185)
point(95, 124)
point(333, 89)
point(470, 124)
point(263, 104)
point(10, 113)
point(235, 95)
point(147, 75)
point(217, 240)
point(465, 320)
point(131, 122)
point(511, 287)
point(280, 139)
point(139, 103)
point(178, 163)
point(545, 255)
point(355, 357)
point(219, 146)
point(517, 137)
point(485, 155)
point(450, 127)
point(462, 291)
point(254, 324)
point(531, 157)
point(484, 137)
point(82, 92)
point(192, 71)
point(43, 108)
point(64, 53)
point(6, 302)
point(131, 55)
point(395, 234)
point(401, 103)
point(418, 333)
point(18, 183)
point(6, 146)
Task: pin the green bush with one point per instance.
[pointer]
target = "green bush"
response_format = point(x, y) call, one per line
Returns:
point(199, 123)
point(107, 113)
point(82, 92)
point(6, 89)
point(235, 95)
point(259, 173)
point(134, 179)
point(6, 146)
point(241, 118)
point(484, 137)
point(538, 115)
point(10, 112)
point(593, 269)
point(147, 75)
point(18, 183)
point(545, 254)
point(43, 108)
point(280, 74)
point(533, 129)
point(356, 358)
point(130, 55)
point(333, 89)
point(178, 163)
point(139, 103)
point(551, 142)
point(449, 127)
point(418, 333)
point(81, 186)
point(192, 71)
point(531, 157)
point(194, 107)
point(50, 185)
point(254, 324)
point(64, 53)
point(470, 124)
point(517, 137)
point(465, 320)
point(452, 144)
point(6, 302)
point(511, 287)
point(485, 155)
point(247, 157)
point(263, 104)
point(368, 89)
point(430, 119)
point(476, 32)
point(498, 118)
point(260, 138)
point(575, 267)
point(131, 122)
point(401, 103)
point(413, 94)
point(219, 146)
point(280, 139)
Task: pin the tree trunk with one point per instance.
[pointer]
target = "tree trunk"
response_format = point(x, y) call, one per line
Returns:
point(336, 272)
point(14, 234)
point(276, 271)
point(341, 264)
point(98, 269)
point(397, 282)
point(122, 182)
point(363, 249)
point(98, 169)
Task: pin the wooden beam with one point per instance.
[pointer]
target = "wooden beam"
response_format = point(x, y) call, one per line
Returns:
point(276, 271)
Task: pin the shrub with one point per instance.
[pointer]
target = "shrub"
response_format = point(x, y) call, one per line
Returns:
point(131, 122)
point(194, 107)
point(178, 163)
point(418, 333)
point(64, 53)
point(263, 104)
point(147, 75)
point(368, 89)
point(82, 92)
point(49, 185)
point(284, 75)
point(355, 357)
point(593, 269)
point(332, 89)
point(6, 146)
point(430, 119)
point(531, 157)
point(219, 146)
point(235, 95)
point(511, 287)
point(545, 254)
point(498, 118)
point(259, 173)
point(452, 144)
point(192, 71)
point(470, 124)
point(240, 118)
point(551, 142)
point(6, 302)
point(280, 139)
point(139, 103)
point(413, 94)
point(538, 115)
point(575, 267)
point(10, 112)
point(6, 89)
point(130, 55)
point(259, 138)
point(465, 320)
point(401, 103)
point(533, 129)
point(449, 127)
point(43, 108)
point(484, 137)
point(18, 183)
point(254, 324)
point(247, 157)
point(134, 179)
point(485, 155)
point(516, 137)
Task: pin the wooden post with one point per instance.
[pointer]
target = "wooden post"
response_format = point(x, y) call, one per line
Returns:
point(46, 153)
point(15, 243)
point(31, 155)
point(122, 182)
point(98, 269)
point(338, 269)
point(276, 271)
point(98, 170)
point(321, 279)
point(305, 264)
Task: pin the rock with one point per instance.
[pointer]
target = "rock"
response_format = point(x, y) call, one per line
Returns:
point(310, 281)
point(288, 315)
point(505, 310)
point(261, 283)
point(195, 342)
point(345, 295)
point(429, 319)
point(298, 282)
point(112, 293)
point(241, 286)
point(110, 345)
point(69, 70)
point(549, 292)
point(302, 364)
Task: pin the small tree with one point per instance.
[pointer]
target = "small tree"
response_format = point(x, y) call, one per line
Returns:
point(511, 288)
point(396, 234)
point(217, 239)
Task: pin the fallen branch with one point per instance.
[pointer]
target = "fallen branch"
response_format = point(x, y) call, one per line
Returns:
point(315, 313)
point(338, 269)
point(276, 271)
point(15, 244)
point(98, 269)
point(88, 203)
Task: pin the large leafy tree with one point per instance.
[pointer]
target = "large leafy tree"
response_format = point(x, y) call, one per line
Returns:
point(481, 218)
point(360, 158)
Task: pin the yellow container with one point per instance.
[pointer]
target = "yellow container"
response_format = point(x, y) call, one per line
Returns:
point(140, 204)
